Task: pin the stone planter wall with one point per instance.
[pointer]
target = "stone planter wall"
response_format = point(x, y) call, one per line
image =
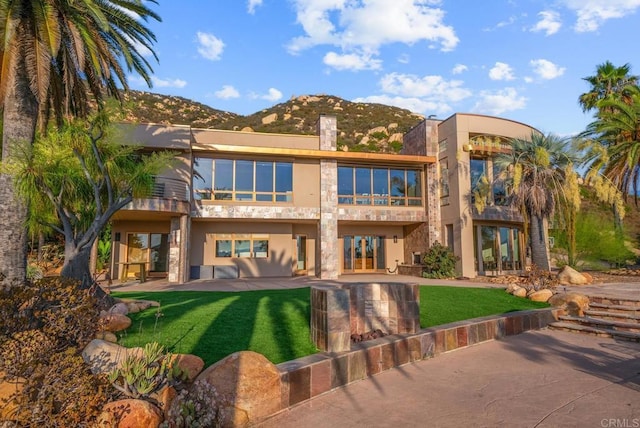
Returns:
point(316, 374)
point(410, 270)
point(339, 312)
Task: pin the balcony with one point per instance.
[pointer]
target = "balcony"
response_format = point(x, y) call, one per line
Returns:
point(169, 196)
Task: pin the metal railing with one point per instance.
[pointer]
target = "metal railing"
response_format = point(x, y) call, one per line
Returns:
point(170, 188)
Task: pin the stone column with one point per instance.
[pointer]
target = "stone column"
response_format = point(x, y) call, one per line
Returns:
point(178, 249)
point(328, 227)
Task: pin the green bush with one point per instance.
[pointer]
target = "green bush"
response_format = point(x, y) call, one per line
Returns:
point(439, 262)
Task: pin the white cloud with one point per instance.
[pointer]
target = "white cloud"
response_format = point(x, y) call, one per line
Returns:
point(593, 13)
point(272, 95)
point(549, 22)
point(227, 92)
point(157, 82)
point(501, 71)
point(431, 87)
point(356, 26)
point(501, 24)
point(459, 69)
point(498, 102)
point(353, 61)
point(546, 69)
point(413, 104)
point(209, 46)
point(251, 6)
point(428, 94)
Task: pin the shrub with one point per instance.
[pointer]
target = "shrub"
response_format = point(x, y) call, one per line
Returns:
point(439, 262)
point(43, 327)
point(142, 375)
point(198, 406)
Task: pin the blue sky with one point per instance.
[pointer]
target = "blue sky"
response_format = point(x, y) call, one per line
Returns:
point(519, 59)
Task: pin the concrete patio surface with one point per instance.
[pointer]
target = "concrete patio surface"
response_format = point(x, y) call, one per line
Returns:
point(535, 379)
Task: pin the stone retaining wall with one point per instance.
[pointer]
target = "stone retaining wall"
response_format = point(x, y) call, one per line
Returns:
point(316, 374)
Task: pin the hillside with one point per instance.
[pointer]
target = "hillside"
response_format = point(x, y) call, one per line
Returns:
point(361, 126)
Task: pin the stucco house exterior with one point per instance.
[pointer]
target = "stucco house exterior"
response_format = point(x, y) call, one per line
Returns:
point(246, 204)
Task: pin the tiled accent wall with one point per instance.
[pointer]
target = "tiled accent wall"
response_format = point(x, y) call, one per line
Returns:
point(328, 132)
point(174, 250)
point(339, 312)
point(311, 376)
point(256, 212)
point(328, 233)
point(375, 213)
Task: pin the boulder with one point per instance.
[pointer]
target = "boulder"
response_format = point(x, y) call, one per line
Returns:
point(130, 414)
point(512, 287)
point(249, 384)
point(107, 335)
point(104, 357)
point(119, 308)
point(191, 365)
point(568, 275)
point(574, 303)
point(270, 118)
point(519, 292)
point(540, 295)
point(114, 322)
point(164, 398)
point(588, 277)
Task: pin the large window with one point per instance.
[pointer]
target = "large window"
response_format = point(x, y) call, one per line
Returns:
point(379, 186)
point(488, 182)
point(242, 180)
point(242, 246)
point(149, 248)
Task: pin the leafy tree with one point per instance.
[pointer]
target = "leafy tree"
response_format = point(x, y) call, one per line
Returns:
point(56, 55)
point(538, 170)
point(76, 178)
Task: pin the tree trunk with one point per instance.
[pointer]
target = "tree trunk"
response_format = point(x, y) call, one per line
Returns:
point(540, 242)
point(19, 124)
point(76, 266)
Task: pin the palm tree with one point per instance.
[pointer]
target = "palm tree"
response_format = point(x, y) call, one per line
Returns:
point(613, 143)
point(538, 165)
point(57, 54)
point(609, 82)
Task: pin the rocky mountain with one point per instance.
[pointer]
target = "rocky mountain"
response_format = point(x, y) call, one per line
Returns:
point(361, 126)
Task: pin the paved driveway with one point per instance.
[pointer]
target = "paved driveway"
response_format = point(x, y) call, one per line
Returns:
point(536, 379)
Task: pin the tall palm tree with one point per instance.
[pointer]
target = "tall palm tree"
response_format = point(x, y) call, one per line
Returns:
point(538, 165)
point(57, 54)
point(613, 143)
point(609, 82)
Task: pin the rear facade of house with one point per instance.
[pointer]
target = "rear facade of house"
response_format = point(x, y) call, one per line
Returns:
point(245, 204)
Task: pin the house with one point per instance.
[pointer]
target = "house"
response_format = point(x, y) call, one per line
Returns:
point(475, 221)
point(245, 204)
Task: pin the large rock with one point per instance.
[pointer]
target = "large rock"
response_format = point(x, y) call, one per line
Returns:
point(119, 308)
point(114, 322)
point(130, 414)
point(574, 303)
point(104, 357)
point(191, 365)
point(540, 295)
point(568, 275)
point(249, 383)
point(511, 287)
point(270, 118)
point(519, 292)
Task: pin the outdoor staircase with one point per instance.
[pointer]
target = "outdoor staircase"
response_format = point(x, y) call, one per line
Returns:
point(606, 317)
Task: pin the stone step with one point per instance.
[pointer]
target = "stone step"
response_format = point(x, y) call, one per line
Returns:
point(614, 308)
point(616, 316)
point(615, 301)
point(601, 332)
point(598, 322)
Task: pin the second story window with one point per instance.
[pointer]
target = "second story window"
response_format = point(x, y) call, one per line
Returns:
point(242, 180)
point(487, 182)
point(379, 186)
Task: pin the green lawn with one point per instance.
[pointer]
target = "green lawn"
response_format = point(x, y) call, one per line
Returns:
point(275, 323)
